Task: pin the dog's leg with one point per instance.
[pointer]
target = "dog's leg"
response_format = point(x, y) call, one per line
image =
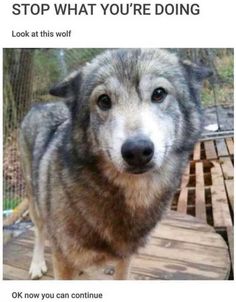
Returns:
point(38, 265)
point(122, 269)
point(62, 269)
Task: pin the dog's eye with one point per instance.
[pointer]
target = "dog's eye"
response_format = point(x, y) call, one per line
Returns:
point(104, 102)
point(159, 95)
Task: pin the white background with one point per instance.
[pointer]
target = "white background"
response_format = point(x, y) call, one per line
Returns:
point(214, 27)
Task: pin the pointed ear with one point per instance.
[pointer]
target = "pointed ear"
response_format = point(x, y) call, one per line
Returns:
point(68, 87)
point(196, 73)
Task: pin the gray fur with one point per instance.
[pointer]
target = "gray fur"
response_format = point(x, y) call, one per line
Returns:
point(93, 208)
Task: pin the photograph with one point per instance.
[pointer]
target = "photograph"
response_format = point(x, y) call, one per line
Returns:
point(118, 163)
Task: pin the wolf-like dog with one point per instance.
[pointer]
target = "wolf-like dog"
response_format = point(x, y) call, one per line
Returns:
point(102, 165)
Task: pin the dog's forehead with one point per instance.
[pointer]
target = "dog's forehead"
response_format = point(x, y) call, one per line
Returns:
point(130, 65)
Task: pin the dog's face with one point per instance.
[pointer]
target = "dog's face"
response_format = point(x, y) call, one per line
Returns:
point(141, 106)
point(132, 124)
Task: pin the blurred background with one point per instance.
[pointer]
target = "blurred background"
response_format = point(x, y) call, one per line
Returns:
point(29, 73)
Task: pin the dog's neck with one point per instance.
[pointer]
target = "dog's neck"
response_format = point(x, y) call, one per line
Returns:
point(140, 191)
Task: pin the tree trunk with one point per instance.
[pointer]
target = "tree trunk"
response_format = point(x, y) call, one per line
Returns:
point(22, 83)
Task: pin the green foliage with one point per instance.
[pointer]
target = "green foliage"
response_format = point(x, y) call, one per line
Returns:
point(224, 87)
point(207, 97)
point(225, 68)
point(11, 202)
point(77, 57)
point(46, 70)
point(52, 65)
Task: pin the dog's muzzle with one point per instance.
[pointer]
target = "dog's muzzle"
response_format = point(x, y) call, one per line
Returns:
point(137, 153)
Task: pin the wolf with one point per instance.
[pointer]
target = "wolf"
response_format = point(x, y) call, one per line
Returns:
point(102, 165)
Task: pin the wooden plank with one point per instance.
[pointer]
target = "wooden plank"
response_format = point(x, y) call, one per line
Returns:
point(200, 209)
point(183, 235)
point(199, 175)
point(168, 269)
point(230, 235)
point(230, 145)
point(174, 251)
point(229, 183)
point(185, 251)
point(227, 167)
point(185, 177)
point(220, 207)
point(199, 226)
point(17, 213)
point(183, 201)
point(197, 151)
point(14, 273)
point(179, 218)
point(216, 174)
point(221, 147)
point(210, 150)
point(14, 251)
point(11, 272)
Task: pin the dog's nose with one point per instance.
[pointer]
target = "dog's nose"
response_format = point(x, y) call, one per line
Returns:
point(137, 152)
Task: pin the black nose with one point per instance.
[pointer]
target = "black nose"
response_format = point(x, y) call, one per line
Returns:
point(137, 152)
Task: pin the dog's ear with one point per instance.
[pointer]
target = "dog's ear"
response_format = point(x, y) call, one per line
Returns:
point(195, 75)
point(196, 72)
point(68, 87)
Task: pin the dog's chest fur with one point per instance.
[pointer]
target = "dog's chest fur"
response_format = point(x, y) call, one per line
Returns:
point(112, 216)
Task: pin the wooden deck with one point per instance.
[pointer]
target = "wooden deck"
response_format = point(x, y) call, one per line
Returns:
point(207, 189)
point(183, 246)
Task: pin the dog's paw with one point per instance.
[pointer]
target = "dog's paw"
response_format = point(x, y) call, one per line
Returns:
point(37, 270)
